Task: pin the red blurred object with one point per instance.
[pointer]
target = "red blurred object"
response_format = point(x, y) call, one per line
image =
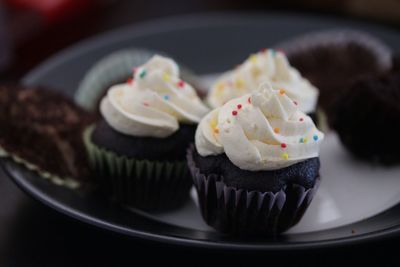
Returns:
point(53, 10)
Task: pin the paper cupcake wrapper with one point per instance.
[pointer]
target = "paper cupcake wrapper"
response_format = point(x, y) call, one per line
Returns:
point(68, 182)
point(143, 184)
point(241, 212)
point(322, 121)
point(109, 70)
point(113, 69)
point(338, 37)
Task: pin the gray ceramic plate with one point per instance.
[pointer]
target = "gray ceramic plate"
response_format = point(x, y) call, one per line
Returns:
point(351, 206)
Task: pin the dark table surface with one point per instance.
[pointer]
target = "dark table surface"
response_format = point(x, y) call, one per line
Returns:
point(34, 235)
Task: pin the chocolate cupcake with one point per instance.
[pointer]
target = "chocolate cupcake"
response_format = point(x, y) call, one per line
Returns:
point(270, 66)
point(332, 59)
point(255, 164)
point(366, 115)
point(138, 150)
point(42, 130)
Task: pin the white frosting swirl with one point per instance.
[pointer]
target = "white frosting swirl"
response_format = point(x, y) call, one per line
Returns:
point(271, 66)
point(153, 103)
point(264, 130)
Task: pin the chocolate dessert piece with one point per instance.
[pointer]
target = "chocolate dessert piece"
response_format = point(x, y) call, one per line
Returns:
point(252, 203)
point(44, 128)
point(150, 148)
point(333, 59)
point(366, 117)
point(304, 173)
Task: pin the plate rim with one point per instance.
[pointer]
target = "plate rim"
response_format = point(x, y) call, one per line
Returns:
point(168, 24)
point(54, 204)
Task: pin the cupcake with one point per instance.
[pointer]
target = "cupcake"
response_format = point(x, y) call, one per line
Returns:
point(138, 149)
point(42, 130)
point(366, 115)
point(255, 163)
point(333, 59)
point(267, 65)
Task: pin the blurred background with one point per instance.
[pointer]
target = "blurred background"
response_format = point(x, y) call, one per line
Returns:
point(32, 30)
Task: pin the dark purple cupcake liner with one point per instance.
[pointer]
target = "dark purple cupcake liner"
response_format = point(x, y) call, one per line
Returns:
point(143, 184)
point(241, 212)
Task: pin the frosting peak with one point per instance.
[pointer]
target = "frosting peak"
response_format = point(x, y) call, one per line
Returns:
point(153, 103)
point(264, 130)
point(271, 66)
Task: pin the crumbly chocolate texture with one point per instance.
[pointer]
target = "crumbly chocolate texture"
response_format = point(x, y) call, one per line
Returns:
point(44, 128)
point(333, 59)
point(366, 117)
point(304, 173)
point(331, 69)
point(171, 148)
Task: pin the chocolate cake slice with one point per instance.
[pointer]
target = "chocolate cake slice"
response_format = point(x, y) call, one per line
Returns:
point(333, 59)
point(366, 117)
point(44, 128)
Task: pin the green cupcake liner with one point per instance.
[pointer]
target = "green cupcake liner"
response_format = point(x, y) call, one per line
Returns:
point(113, 69)
point(68, 182)
point(109, 70)
point(322, 120)
point(144, 184)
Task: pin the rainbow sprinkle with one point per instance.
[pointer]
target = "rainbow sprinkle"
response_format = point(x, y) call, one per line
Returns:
point(234, 113)
point(283, 145)
point(220, 86)
point(285, 156)
point(239, 106)
point(166, 97)
point(277, 130)
point(253, 59)
point(282, 91)
point(142, 74)
point(181, 84)
point(129, 81)
point(315, 137)
point(166, 77)
point(239, 83)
